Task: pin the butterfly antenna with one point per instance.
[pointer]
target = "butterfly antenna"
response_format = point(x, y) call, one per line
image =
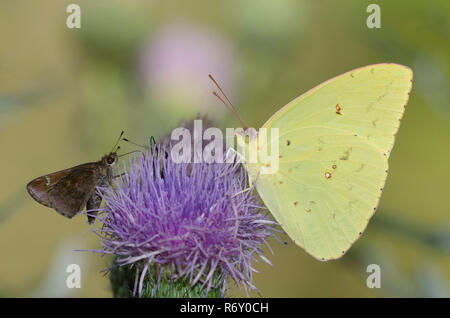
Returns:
point(231, 110)
point(221, 90)
point(129, 153)
point(117, 142)
point(136, 144)
point(227, 104)
point(152, 142)
point(152, 145)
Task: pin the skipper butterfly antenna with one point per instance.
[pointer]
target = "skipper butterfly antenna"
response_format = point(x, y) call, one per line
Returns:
point(129, 153)
point(152, 142)
point(117, 142)
point(136, 144)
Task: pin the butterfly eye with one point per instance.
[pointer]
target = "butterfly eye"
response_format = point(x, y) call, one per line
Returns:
point(110, 160)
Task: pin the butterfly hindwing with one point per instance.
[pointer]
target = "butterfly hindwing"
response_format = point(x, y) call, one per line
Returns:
point(325, 201)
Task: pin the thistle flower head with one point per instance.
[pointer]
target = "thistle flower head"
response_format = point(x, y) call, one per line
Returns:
point(191, 222)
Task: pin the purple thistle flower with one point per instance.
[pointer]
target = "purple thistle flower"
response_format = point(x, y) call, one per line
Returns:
point(196, 221)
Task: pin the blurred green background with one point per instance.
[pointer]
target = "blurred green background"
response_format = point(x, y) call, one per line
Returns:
point(142, 66)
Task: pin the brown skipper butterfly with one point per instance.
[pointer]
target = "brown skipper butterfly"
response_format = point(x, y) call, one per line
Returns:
point(69, 191)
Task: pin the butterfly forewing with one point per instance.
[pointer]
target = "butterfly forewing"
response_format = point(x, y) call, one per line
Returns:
point(71, 193)
point(39, 187)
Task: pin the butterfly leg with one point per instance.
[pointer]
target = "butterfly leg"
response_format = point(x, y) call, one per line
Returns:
point(230, 157)
point(119, 175)
point(93, 204)
point(245, 190)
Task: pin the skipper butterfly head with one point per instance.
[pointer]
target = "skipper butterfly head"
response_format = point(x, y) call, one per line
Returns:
point(110, 159)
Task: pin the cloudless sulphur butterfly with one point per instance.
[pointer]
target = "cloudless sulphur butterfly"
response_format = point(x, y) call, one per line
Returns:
point(334, 145)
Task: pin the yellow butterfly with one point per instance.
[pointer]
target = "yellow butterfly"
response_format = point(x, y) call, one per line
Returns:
point(334, 142)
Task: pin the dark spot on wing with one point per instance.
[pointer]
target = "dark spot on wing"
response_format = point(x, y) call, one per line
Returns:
point(374, 123)
point(338, 109)
point(346, 154)
point(288, 142)
point(382, 96)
